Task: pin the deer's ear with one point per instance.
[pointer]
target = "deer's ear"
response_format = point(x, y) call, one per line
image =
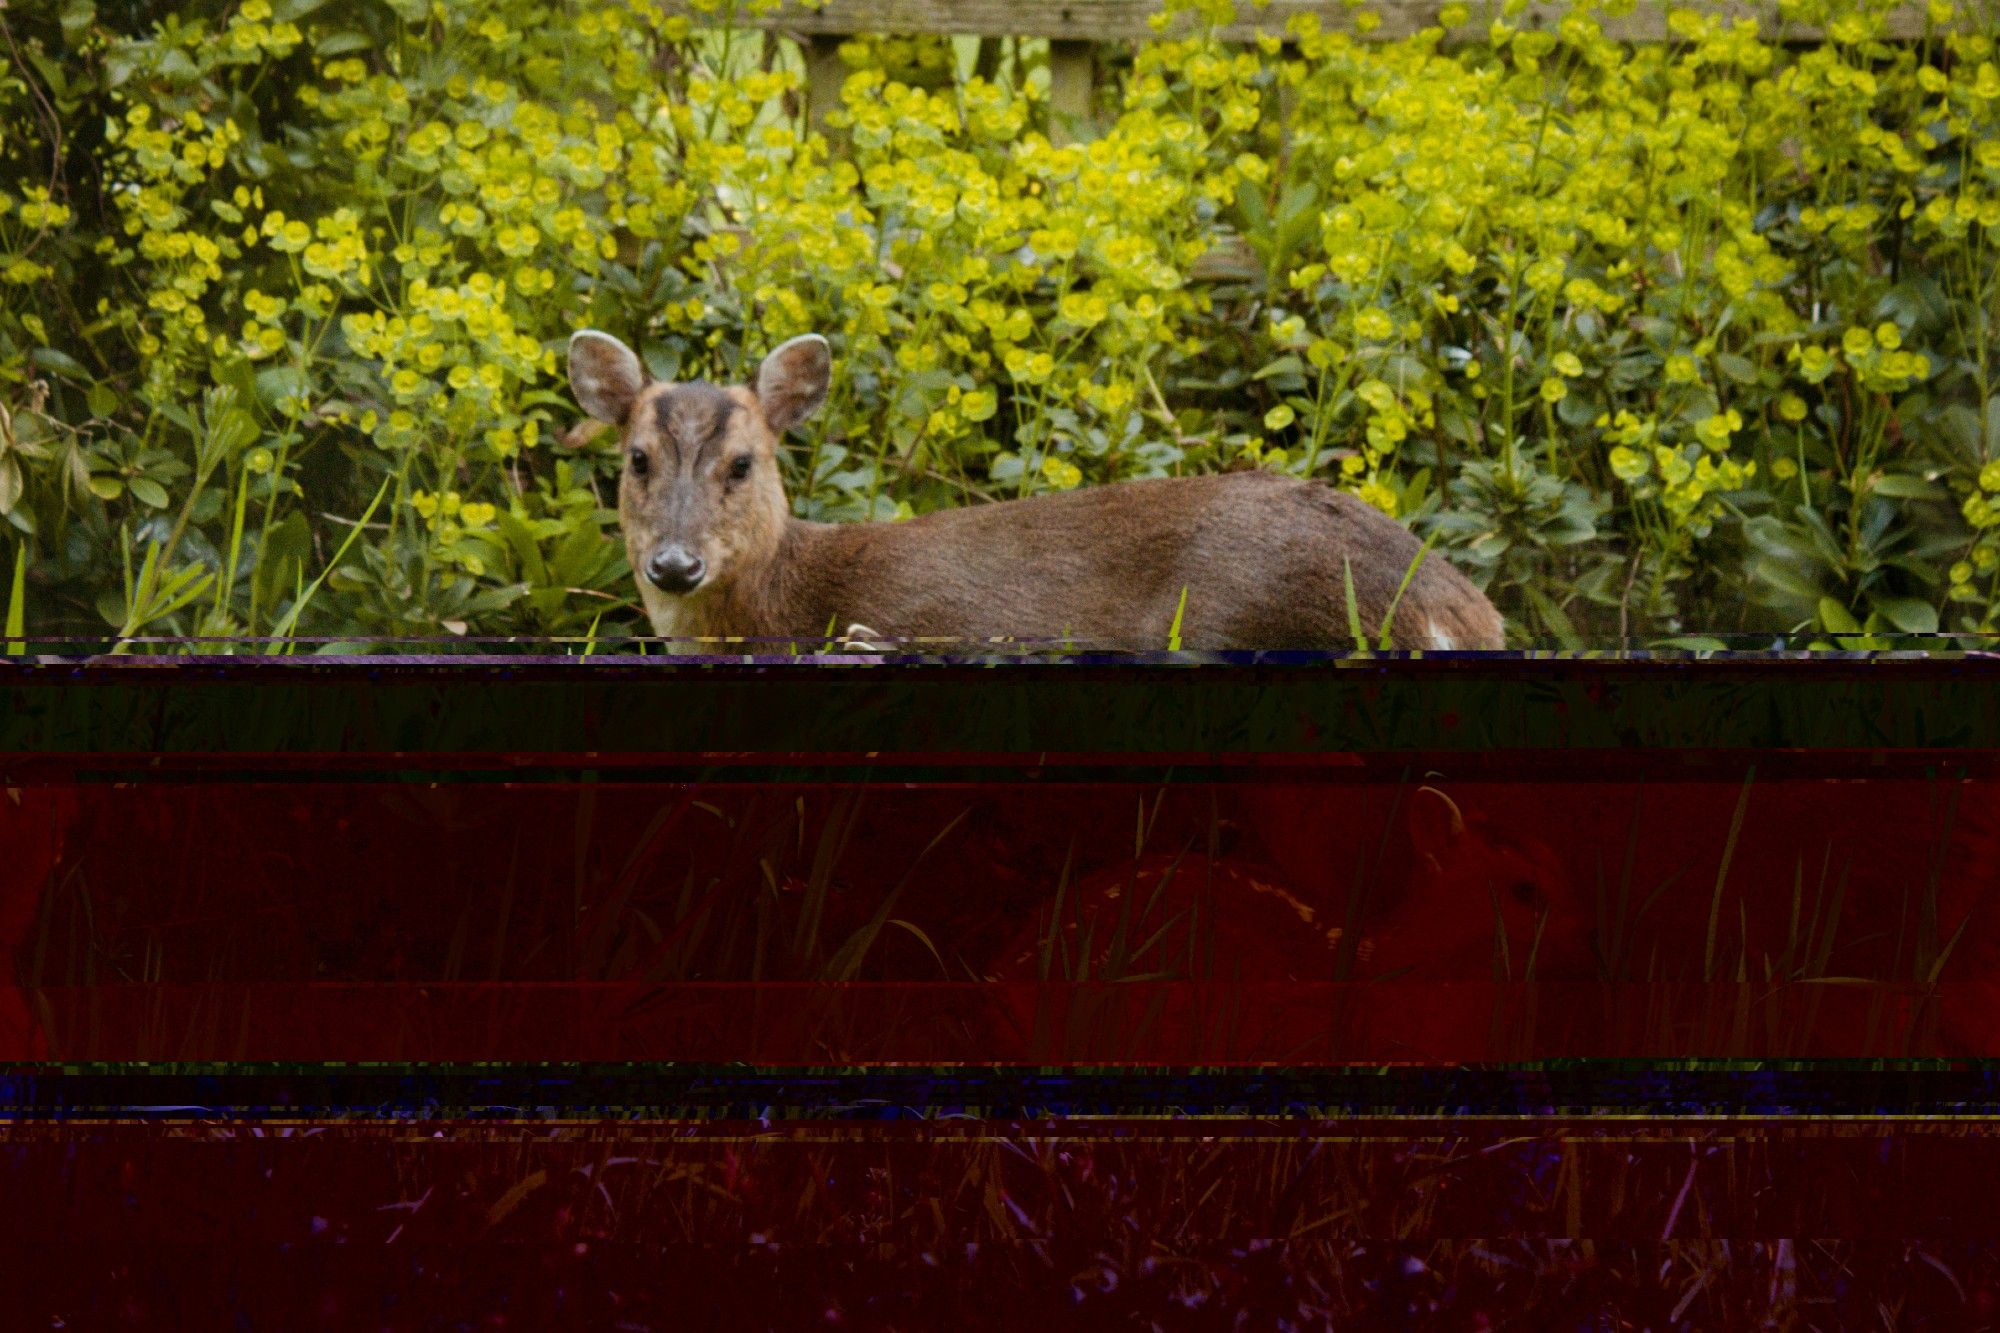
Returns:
point(605, 375)
point(1436, 823)
point(792, 382)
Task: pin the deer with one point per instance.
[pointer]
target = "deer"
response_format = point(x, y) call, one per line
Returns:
point(1247, 560)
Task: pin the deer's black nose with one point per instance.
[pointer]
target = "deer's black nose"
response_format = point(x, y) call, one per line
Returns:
point(674, 569)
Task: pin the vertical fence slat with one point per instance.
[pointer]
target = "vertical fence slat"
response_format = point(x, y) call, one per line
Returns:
point(824, 75)
point(1072, 90)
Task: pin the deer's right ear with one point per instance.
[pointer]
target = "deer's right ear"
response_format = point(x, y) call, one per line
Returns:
point(605, 375)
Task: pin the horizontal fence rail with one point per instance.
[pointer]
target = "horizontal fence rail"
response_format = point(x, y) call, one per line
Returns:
point(1091, 21)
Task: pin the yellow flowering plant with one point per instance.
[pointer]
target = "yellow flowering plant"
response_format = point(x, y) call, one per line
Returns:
point(1658, 340)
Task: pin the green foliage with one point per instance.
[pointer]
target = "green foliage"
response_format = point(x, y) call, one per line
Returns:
point(1657, 340)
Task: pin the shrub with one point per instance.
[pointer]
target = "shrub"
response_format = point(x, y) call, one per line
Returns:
point(1661, 340)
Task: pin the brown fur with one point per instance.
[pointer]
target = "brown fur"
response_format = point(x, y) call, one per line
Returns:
point(1260, 555)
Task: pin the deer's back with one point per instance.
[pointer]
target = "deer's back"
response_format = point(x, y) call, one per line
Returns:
point(1263, 559)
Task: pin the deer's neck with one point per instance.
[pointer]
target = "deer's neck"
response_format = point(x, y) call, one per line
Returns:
point(778, 594)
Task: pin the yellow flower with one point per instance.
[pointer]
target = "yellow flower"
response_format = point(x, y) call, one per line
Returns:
point(1374, 324)
point(1815, 363)
point(1629, 464)
point(1060, 472)
point(1716, 430)
point(1375, 493)
point(978, 404)
point(1377, 395)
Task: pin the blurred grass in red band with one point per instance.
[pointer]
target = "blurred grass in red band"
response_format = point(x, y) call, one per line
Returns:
point(344, 901)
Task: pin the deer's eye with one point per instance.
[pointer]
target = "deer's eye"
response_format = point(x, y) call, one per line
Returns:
point(639, 462)
point(739, 467)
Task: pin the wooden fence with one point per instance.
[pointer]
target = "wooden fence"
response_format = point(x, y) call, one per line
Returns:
point(1075, 28)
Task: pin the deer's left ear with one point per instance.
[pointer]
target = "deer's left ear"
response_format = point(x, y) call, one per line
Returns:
point(1436, 824)
point(792, 382)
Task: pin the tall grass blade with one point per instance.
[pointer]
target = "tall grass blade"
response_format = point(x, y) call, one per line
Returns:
point(284, 628)
point(1722, 875)
point(1353, 606)
point(1389, 617)
point(17, 603)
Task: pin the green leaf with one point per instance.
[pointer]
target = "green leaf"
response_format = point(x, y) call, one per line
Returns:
point(62, 363)
point(1250, 201)
point(106, 488)
point(10, 483)
point(1784, 576)
point(663, 362)
point(1579, 409)
point(489, 600)
point(1902, 486)
point(1908, 614)
point(239, 375)
point(1959, 425)
point(1835, 618)
point(286, 547)
point(1284, 365)
point(340, 43)
point(148, 492)
point(1415, 492)
point(77, 16)
point(1560, 623)
point(279, 382)
point(176, 67)
point(522, 542)
point(1297, 205)
point(1740, 369)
